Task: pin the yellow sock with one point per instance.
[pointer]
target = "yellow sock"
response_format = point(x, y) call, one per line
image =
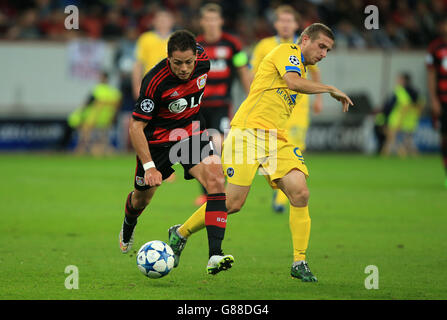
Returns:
point(195, 223)
point(299, 222)
point(281, 198)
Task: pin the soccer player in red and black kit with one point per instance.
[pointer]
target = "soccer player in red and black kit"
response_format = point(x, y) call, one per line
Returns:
point(437, 85)
point(166, 128)
point(227, 59)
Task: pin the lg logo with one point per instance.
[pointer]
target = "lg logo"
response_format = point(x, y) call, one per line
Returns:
point(181, 104)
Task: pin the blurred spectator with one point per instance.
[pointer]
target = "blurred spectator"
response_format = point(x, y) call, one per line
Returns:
point(96, 118)
point(403, 23)
point(346, 36)
point(124, 60)
point(403, 119)
point(26, 27)
point(151, 47)
point(389, 37)
point(53, 25)
point(113, 28)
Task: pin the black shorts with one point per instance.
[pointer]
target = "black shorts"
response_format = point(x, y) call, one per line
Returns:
point(217, 118)
point(443, 119)
point(188, 152)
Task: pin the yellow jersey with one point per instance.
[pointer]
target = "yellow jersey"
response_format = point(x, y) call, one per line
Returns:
point(270, 102)
point(151, 49)
point(266, 45)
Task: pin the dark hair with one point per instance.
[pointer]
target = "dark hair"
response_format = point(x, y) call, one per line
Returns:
point(313, 32)
point(407, 78)
point(181, 40)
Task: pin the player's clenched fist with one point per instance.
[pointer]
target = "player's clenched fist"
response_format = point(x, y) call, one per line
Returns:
point(152, 177)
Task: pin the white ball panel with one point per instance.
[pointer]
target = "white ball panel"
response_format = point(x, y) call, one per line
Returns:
point(142, 269)
point(152, 256)
point(170, 263)
point(157, 245)
point(159, 266)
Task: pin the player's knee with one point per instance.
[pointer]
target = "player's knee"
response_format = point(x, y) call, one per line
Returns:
point(215, 182)
point(299, 198)
point(234, 205)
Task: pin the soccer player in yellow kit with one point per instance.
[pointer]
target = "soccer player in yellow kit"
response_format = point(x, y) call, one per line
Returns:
point(286, 25)
point(151, 47)
point(258, 139)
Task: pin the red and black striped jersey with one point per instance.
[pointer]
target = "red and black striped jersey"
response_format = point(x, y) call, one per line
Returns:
point(221, 54)
point(170, 105)
point(437, 59)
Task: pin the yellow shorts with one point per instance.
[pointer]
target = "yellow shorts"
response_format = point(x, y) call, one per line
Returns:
point(245, 150)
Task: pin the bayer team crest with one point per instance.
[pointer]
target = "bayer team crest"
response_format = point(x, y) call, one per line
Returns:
point(201, 81)
point(294, 60)
point(147, 105)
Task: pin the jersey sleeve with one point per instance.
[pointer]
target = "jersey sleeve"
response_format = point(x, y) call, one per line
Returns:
point(287, 58)
point(146, 102)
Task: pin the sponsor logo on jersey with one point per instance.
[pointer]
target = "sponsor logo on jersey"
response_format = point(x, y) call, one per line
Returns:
point(147, 105)
point(285, 96)
point(201, 81)
point(230, 172)
point(222, 52)
point(178, 106)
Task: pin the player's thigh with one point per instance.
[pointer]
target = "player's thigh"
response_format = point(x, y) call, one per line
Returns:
point(285, 158)
point(236, 196)
point(294, 185)
point(239, 160)
point(209, 173)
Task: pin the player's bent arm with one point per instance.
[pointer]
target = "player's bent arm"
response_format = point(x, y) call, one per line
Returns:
point(138, 139)
point(301, 85)
point(152, 176)
point(296, 83)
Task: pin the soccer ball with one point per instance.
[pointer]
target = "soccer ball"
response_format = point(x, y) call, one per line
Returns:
point(155, 259)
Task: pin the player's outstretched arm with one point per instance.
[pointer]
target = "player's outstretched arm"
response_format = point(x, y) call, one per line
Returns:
point(298, 84)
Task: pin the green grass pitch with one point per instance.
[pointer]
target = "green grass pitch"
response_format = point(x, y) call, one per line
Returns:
point(60, 210)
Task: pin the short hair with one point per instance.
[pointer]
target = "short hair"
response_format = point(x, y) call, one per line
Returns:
point(407, 77)
point(313, 32)
point(181, 40)
point(285, 8)
point(211, 7)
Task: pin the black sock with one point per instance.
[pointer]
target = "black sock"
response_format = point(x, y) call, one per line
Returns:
point(215, 222)
point(130, 218)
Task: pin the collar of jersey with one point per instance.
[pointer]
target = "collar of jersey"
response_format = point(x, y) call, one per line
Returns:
point(278, 39)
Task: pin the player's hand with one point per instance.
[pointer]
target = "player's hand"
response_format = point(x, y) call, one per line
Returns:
point(342, 97)
point(153, 177)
